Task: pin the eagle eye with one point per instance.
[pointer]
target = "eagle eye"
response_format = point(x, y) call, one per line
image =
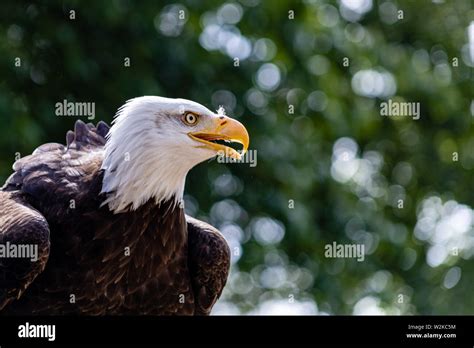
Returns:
point(190, 119)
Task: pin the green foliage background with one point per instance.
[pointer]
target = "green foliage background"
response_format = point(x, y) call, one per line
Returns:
point(333, 170)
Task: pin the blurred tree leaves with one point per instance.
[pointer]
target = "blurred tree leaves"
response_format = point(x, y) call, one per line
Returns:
point(343, 166)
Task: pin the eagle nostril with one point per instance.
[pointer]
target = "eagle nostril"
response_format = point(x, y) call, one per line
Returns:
point(223, 123)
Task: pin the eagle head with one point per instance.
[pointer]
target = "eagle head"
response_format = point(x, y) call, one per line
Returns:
point(155, 141)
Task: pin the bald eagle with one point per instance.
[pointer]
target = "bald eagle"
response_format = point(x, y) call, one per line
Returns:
point(105, 216)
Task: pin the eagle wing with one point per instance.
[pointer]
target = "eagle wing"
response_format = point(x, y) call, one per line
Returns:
point(20, 225)
point(55, 177)
point(208, 262)
point(41, 186)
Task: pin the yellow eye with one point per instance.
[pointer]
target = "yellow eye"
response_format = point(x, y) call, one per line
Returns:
point(190, 118)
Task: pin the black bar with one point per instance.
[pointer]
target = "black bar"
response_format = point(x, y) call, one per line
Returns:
point(246, 329)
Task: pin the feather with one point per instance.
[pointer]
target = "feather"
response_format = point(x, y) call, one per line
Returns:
point(135, 262)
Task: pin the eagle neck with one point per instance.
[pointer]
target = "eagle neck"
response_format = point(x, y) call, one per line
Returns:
point(164, 221)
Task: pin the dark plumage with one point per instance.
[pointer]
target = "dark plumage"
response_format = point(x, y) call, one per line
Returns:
point(152, 260)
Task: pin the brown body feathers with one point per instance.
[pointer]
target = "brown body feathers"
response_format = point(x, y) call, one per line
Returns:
point(154, 260)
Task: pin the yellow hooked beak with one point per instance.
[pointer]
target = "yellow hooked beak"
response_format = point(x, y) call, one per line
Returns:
point(226, 129)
